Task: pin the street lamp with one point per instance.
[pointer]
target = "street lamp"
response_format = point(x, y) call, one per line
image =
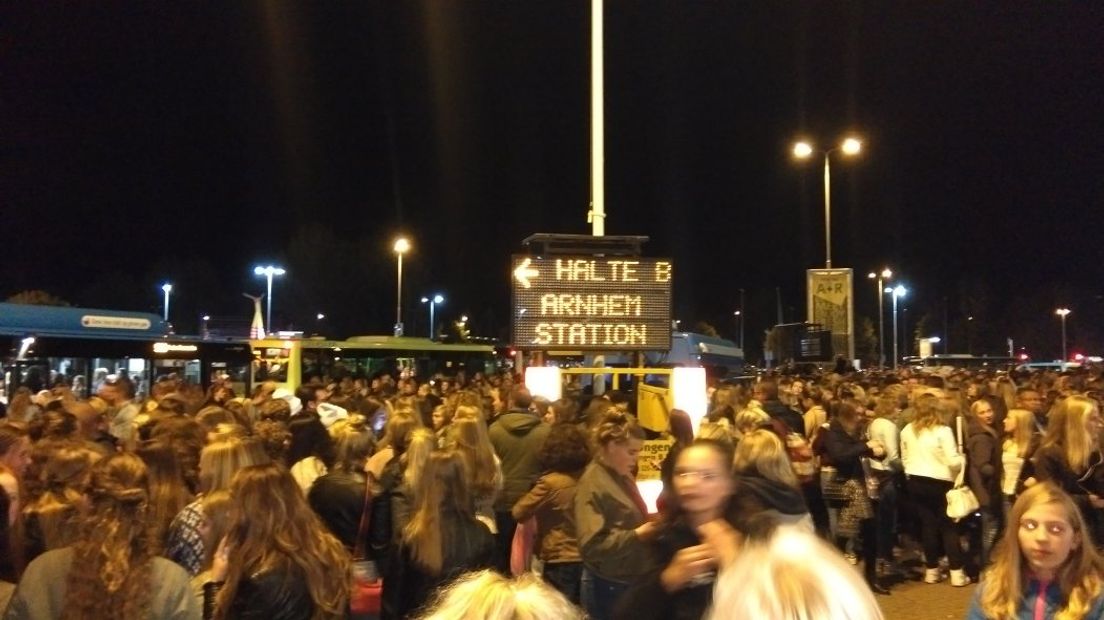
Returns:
point(268, 271)
point(740, 326)
point(1063, 312)
point(897, 292)
point(432, 301)
point(804, 150)
point(402, 246)
point(881, 278)
point(168, 289)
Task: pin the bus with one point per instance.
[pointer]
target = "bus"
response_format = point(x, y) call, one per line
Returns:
point(292, 362)
point(963, 361)
point(84, 347)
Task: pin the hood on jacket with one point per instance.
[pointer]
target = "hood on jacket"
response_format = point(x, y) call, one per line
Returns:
point(773, 495)
point(518, 422)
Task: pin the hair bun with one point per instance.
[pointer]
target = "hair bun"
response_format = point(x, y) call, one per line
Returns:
point(124, 495)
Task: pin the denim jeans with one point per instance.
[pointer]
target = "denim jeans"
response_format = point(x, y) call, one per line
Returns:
point(600, 595)
point(566, 577)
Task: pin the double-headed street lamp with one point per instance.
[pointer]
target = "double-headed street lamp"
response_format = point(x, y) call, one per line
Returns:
point(268, 271)
point(804, 150)
point(1063, 312)
point(402, 246)
point(432, 301)
point(881, 278)
point(898, 291)
point(167, 288)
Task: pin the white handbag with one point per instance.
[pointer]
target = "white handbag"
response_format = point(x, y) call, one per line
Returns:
point(961, 501)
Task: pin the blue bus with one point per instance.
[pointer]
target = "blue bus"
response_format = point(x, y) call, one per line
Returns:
point(83, 347)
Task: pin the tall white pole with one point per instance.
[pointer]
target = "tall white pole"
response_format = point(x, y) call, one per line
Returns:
point(268, 301)
point(167, 289)
point(398, 297)
point(881, 323)
point(1064, 357)
point(597, 123)
point(432, 305)
point(827, 214)
point(895, 339)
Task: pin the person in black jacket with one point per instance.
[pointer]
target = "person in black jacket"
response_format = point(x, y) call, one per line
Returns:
point(1069, 457)
point(694, 542)
point(278, 562)
point(845, 448)
point(338, 496)
point(442, 540)
point(983, 474)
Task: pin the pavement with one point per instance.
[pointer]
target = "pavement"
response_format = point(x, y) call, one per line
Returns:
point(916, 600)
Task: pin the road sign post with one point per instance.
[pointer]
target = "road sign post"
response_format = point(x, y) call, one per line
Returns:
point(592, 303)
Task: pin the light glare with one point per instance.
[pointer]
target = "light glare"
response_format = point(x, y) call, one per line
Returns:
point(851, 146)
point(801, 150)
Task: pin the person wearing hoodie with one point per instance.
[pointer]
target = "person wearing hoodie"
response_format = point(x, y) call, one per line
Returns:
point(517, 436)
point(694, 539)
point(983, 473)
point(766, 492)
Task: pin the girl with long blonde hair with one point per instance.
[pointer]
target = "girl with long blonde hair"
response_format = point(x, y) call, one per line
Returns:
point(468, 436)
point(1045, 559)
point(1019, 445)
point(111, 570)
point(442, 540)
point(278, 559)
point(1069, 457)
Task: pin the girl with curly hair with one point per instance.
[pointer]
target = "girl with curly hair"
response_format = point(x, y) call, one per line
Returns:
point(110, 572)
point(278, 561)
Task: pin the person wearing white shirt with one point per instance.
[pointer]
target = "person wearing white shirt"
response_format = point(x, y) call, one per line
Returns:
point(931, 460)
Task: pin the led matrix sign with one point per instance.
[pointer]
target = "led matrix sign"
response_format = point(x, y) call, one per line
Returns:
point(592, 303)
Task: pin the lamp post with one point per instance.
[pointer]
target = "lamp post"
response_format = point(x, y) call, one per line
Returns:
point(432, 301)
point(168, 289)
point(897, 292)
point(803, 150)
point(881, 278)
point(402, 246)
point(1063, 313)
point(740, 324)
point(268, 271)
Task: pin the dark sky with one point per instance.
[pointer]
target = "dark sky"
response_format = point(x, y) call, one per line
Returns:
point(144, 142)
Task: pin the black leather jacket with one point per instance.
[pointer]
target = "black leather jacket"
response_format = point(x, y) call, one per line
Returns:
point(269, 595)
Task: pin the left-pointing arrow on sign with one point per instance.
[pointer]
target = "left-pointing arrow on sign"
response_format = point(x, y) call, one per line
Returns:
point(524, 272)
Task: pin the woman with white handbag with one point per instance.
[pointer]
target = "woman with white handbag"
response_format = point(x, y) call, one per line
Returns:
point(932, 461)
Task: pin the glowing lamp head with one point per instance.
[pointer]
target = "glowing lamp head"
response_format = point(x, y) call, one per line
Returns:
point(166, 287)
point(402, 245)
point(900, 291)
point(872, 275)
point(1062, 312)
point(851, 146)
point(802, 150)
point(886, 273)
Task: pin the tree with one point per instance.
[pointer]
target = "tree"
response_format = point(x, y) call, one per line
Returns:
point(702, 327)
point(36, 298)
point(867, 343)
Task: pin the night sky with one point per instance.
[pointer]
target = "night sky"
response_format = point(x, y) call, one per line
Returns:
point(188, 142)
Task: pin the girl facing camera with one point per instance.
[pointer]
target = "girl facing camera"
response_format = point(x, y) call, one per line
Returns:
point(1045, 562)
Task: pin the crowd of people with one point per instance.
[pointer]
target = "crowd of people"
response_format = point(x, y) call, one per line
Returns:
point(466, 497)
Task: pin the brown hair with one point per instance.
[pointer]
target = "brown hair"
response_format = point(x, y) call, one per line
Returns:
point(109, 577)
point(168, 491)
point(273, 529)
point(617, 427)
point(444, 489)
